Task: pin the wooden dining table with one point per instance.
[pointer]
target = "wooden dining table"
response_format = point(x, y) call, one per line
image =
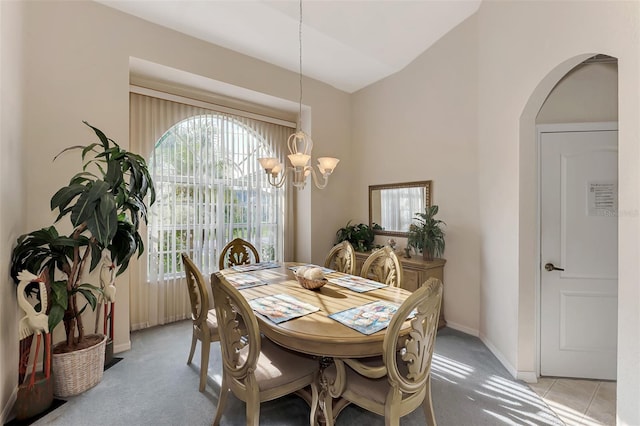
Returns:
point(316, 333)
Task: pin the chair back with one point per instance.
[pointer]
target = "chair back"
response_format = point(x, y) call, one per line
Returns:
point(408, 369)
point(383, 266)
point(342, 258)
point(238, 252)
point(198, 294)
point(239, 333)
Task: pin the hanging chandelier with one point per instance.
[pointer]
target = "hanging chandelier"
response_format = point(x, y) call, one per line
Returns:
point(300, 146)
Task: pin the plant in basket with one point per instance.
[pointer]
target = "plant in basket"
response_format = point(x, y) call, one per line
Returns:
point(104, 202)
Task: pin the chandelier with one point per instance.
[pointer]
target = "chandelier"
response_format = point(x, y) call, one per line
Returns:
point(300, 146)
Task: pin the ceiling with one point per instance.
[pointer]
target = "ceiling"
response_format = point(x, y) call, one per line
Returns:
point(348, 44)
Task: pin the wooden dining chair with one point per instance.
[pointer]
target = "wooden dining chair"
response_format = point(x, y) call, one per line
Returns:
point(342, 258)
point(383, 266)
point(238, 252)
point(399, 381)
point(204, 321)
point(254, 368)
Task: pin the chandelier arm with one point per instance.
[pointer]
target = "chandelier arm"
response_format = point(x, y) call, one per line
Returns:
point(325, 179)
point(278, 183)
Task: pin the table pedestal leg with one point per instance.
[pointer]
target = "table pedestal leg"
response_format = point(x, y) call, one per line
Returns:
point(325, 414)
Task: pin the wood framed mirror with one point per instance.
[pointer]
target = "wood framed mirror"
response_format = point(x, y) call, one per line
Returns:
point(394, 206)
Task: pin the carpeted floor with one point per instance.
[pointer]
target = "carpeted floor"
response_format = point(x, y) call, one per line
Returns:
point(152, 385)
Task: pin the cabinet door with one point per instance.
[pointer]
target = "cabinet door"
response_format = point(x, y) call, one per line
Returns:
point(410, 279)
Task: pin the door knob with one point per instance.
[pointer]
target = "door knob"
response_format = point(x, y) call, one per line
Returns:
point(552, 267)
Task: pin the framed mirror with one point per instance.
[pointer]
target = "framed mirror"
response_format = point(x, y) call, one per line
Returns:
point(394, 206)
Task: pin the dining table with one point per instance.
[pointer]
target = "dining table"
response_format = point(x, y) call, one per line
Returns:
point(345, 318)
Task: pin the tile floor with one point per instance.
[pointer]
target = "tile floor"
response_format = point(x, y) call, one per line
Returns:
point(579, 402)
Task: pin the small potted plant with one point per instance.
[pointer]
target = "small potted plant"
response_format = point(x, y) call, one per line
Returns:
point(360, 236)
point(426, 234)
point(104, 202)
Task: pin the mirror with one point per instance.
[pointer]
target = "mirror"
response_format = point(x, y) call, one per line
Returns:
point(394, 206)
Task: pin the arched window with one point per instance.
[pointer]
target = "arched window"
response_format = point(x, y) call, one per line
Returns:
point(210, 189)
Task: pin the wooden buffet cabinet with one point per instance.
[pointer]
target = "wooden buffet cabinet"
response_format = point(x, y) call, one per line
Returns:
point(415, 272)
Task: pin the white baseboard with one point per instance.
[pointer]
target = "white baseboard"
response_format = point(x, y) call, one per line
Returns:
point(503, 360)
point(462, 328)
point(122, 347)
point(7, 410)
point(527, 376)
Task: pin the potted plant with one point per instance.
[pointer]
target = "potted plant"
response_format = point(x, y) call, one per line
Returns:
point(360, 236)
point(426, 234)
point(104, 203)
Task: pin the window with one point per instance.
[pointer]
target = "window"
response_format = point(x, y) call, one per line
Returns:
point(210, 185)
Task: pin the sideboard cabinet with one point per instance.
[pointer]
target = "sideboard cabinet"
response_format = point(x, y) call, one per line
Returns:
point(415, 272)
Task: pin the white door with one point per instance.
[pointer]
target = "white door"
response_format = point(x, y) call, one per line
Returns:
point(579, 252)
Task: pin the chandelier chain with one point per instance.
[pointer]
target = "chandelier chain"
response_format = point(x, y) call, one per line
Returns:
point(300, 73)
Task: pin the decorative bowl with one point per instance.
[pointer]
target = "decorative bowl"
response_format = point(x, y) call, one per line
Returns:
point(311, 284)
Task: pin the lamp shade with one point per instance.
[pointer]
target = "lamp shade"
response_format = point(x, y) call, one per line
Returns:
point(327, 164)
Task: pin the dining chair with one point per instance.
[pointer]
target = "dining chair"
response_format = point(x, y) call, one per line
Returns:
point(253, 367)
point(342, 258)
point(383, 266)
point(396, 383)
point(238, 252)
point(204, 321)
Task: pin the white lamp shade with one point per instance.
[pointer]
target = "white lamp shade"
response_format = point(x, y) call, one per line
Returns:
point(327, 164)
point(277, 169)
point(299, 159)
point(268, 163)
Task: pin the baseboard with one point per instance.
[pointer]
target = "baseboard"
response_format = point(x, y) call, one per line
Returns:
point(463, 329)
point(7, 410)
point(122, 347)
point(527, 376)
point(503, 360)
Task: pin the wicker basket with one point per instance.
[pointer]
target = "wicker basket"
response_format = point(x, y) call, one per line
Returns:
point(311, 284)
point(75, 372)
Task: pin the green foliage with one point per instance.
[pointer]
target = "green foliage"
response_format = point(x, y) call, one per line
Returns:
point(426, 233)
point(104, 203)
point(360, 236)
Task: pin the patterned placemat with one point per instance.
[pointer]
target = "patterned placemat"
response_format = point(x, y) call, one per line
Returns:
point(368, 318)
point(255, 266)
point(357, 284)
point(281, 307)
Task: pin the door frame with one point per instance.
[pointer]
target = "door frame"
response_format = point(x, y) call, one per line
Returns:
point(554, 128)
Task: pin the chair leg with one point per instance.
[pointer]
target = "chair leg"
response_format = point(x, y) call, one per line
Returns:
point(194, 340)
point(253, 407)
point(427, 406)
point(204, 363)
point(313, 416)
point(222, 400)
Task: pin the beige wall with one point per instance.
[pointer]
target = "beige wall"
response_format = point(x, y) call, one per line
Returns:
point(525, 48)
point(77, 68)
point(588, 93)
point(11, 194)
point(420, 124)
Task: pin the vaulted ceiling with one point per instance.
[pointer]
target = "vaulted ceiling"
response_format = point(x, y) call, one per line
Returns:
point(348, 44)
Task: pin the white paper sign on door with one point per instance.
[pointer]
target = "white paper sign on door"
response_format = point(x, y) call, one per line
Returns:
point(602, 198)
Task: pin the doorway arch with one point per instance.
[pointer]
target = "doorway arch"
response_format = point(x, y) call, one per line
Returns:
point(528, 246)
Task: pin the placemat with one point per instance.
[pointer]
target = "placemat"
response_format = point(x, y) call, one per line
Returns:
point(357, 284)
point(242, 280)
point(256, 266)
point(368, 318)
point(281, 307)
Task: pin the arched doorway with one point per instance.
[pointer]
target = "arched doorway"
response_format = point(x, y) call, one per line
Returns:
point(529, 243)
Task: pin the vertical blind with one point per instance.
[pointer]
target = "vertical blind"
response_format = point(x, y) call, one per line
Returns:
point(210, 189)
